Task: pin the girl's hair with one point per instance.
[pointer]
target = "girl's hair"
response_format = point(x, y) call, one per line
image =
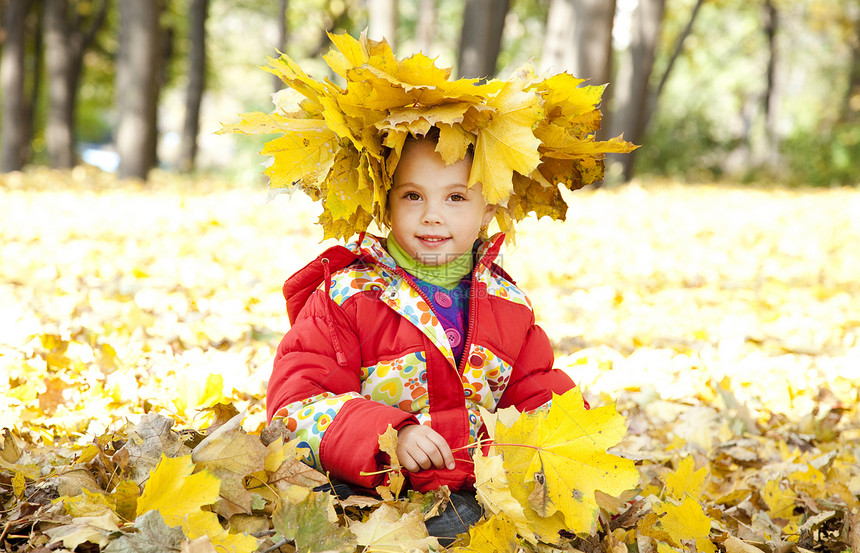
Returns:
point(433, 136)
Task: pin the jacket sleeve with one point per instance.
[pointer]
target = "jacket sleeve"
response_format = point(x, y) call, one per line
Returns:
point(316, 389)
point(533, 380)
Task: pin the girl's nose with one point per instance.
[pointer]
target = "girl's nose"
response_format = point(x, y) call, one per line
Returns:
point(432, 214)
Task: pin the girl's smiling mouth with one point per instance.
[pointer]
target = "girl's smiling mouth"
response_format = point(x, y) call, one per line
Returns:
point(432, 240)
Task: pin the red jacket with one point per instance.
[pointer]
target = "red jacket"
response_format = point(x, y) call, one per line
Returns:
point(365, 350)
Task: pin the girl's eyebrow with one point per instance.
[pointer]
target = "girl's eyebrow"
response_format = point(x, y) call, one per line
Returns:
point(451, 186)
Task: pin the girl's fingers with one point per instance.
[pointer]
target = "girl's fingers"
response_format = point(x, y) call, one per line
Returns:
point(420, 447)
point(445, 458)
point(434, 455)
point(409, 464)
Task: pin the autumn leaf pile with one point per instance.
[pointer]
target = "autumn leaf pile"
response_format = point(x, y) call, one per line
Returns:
point(138, 325)
point(530, 136)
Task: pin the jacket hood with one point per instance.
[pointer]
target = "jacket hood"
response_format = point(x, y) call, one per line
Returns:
point(367, 247)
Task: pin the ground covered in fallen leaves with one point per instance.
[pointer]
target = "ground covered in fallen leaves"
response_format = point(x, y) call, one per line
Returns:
point(138, 324)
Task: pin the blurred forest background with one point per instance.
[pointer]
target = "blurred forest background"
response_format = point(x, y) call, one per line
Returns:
point(750, 90)
point(141, 305)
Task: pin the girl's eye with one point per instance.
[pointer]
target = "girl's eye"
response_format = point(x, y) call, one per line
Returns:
point(413, 196)
point(458, 197)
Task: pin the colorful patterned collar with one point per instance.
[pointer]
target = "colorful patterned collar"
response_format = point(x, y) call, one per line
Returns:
point(373, 248)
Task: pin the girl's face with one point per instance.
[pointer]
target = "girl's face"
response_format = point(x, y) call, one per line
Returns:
point(435, 216)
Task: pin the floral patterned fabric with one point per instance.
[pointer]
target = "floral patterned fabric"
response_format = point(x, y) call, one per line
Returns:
point(308, 419)
point(400, 383)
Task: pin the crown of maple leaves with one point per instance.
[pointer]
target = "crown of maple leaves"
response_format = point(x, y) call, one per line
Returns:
point(342, 144)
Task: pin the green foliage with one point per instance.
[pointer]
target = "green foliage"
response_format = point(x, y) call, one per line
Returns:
point(710, 121)
point(826, 157)
point(686, 145)
point(694, 148)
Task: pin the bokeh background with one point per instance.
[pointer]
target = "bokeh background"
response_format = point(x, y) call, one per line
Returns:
point(750, 91)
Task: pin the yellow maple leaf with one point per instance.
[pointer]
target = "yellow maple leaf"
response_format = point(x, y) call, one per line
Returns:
point(19, 483)
point(305, 157)
point(808, 479)
point(686, 481)
point(532, 194)
point(494, 492)
point(575, 148)
point(335, 120)
point(124, 498)
point(231, 455)
point(368, 90)
point(345, 193)
point(346, 54)
point(780, 503)
point(257, 122)
point(277, 452)
point(563, 91)
point(87, 504)
point(737, 545)
point(93, 529)
point(194, 394)
point(562, 460)
point(416, 76)
point(453, 143)
point(175, 492)
point(388, 529)
point(507, 143)
point(433, 115)
point(178, 495)
point(285, 469)
point(343, 228)
point(496, 534)
point(561, 171)
point(388, 444)
point(293, 75)
point(686, 521)
point(205, 523)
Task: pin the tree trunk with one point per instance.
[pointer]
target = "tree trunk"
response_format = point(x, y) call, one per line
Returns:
point(138, 76)
point(481, 37)
point(851, 104)
point(34, 69)
point(633, 95)
point(66, 41)
point(59, 52)
point(579, 40)
point(281, 44)
point(196, 83)
point(425, 29)
point(15, 137)
point(771, 95)
point(382, 16)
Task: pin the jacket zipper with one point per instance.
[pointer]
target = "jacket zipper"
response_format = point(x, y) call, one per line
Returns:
point(472, 318)
point(403, 274)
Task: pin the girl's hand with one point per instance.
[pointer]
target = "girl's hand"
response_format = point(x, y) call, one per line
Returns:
point(421, 447)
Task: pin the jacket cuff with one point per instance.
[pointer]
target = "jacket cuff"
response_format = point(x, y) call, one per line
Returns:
point(350, 445)
point(461, 477)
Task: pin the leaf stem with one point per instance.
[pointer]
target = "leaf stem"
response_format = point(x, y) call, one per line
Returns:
point(277, 546)
point(383, 471)
point(537, 448)
point(481, 443)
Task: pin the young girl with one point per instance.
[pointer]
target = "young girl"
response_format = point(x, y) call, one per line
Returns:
point(415, 331)
point(419, 328)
